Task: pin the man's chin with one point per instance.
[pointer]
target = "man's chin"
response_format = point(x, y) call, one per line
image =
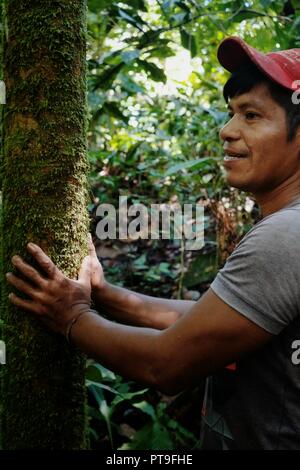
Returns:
point(238, 184)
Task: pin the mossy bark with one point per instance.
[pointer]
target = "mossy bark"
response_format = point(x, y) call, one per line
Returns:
point(44, 200)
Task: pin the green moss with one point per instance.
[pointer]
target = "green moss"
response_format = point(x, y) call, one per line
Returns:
point(44, 200)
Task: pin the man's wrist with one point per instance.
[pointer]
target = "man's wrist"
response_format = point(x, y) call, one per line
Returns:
point(100, 291)
point(72, 323)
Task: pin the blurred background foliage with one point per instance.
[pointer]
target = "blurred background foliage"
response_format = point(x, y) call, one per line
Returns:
point(156, 106)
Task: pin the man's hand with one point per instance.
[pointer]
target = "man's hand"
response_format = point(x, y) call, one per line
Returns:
point(97, 277)
point(54, 298)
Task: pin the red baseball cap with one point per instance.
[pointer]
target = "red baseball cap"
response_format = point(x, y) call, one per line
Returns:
point(283, 67)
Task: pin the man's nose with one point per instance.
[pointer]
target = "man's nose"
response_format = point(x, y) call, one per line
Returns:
point(230, 131)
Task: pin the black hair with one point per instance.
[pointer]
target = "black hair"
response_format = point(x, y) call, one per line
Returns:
point(247, 77)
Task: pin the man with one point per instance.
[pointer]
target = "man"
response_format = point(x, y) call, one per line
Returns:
point(250, 314)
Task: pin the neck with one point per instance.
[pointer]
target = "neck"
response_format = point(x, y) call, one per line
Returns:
point(281, 196)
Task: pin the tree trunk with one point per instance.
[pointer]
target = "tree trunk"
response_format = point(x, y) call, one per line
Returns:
point(44, 201)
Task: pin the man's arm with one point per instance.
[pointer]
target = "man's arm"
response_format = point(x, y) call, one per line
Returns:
point(210, 336)
point(131, 307)
point(137, 309)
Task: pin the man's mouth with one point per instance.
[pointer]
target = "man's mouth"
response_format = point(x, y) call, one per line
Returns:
point(234, 156)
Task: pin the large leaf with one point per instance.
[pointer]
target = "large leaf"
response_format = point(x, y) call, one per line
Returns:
point(106, 78)
point(157, 74)
point(188, 41)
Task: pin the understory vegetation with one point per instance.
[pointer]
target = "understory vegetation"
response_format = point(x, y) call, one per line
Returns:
point(156, 107)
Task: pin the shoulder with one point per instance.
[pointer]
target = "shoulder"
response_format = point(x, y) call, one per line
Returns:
point(277, 231)
point(261, 278)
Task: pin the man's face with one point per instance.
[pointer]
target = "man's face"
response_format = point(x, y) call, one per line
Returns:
point(258, 157)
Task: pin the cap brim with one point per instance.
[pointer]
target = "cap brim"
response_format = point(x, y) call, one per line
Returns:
point(234, 53)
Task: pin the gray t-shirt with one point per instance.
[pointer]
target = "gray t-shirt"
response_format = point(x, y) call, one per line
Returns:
point(258, 404)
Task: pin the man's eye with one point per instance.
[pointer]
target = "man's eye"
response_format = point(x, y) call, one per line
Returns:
point(251, 115)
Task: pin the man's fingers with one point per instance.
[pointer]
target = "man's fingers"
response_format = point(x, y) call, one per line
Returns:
point(44, 261)
point(21, 285)
point(27, 305)
point(84, 274)
point(27, 270)
point(91, 247)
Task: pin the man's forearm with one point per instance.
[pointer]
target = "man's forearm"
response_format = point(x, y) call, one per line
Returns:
point(140, 310)
point(105, 342)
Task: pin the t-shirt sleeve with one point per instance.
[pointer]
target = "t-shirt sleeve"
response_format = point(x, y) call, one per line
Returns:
point(261, 278)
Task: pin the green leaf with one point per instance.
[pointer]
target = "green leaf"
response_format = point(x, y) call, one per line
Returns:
point(179, 18)
point(153, 436)
point(137, 4)
point(105, 80)
point(190, 164)
point(296, 4)
point(202, 269)
point(95, 385)
point(113, 110)
point(132, 150)
point(245, 15)
point(93, 373)
point(161, 52)
point(151, 37)
point(129, 56)
point(128, 396)
point(135, 20)
point(106, 373)
point(140, 262)
point(145, 407)
point(98, 5)
point(188, 41)
point(97, 392)
point(157, 74)
point(130, 85)
point(183, 6)
point(266, 3)
point(104, 409)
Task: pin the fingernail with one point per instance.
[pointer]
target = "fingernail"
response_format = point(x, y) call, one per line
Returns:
point(15, 259)
point(10, 296)
point(31, 246)
point(8, 275)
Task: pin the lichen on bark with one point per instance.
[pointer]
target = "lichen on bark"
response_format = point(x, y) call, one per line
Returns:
point(44, 200)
